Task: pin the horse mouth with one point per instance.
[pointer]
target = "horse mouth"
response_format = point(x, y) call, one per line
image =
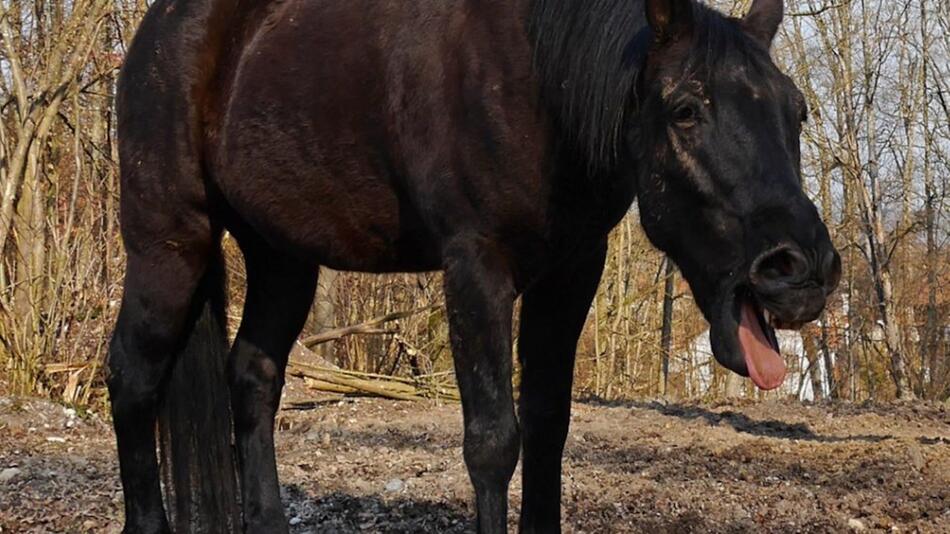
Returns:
point(758, 343)
point(742, 333)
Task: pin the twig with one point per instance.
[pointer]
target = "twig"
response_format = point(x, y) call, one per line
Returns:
point(818, 11)
point(368, 327)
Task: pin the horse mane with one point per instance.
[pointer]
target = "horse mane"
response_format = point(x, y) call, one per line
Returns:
point(588, 55)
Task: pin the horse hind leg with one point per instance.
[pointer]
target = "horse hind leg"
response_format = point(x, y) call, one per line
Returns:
point(280, 291)
point(169, 346)
point(169, 334)
point(160, 285)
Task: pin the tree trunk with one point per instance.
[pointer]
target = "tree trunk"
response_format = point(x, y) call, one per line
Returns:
point(666, 331)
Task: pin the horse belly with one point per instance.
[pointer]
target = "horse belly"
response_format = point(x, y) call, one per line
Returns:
point(345, 222)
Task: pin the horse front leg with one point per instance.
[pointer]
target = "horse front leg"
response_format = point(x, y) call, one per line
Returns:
point(553, 313)
point(479, 298)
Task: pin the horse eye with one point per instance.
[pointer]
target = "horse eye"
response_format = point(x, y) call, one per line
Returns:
point(685, 116)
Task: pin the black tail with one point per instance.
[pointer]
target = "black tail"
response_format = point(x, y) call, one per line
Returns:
point(195, 420)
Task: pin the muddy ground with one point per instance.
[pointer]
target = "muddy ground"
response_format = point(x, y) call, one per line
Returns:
point(367, 465)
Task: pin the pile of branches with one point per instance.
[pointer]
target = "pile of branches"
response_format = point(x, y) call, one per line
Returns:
point(335, 380)
point(323, 376)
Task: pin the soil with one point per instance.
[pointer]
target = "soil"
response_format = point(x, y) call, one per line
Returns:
point(370, 465)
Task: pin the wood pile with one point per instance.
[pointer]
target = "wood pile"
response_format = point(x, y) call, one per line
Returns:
point(335, 380)
point(322, 375)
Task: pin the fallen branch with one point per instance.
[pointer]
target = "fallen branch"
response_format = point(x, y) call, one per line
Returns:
point(358, 374)
point(353, 382)
point(323, 376)
point(337, 382)
point(370, 327)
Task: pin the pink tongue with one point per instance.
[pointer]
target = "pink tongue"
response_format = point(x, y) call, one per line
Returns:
point(766, 366)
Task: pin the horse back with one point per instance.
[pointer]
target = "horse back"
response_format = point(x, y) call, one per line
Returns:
point(390, 126)
point(364, 135)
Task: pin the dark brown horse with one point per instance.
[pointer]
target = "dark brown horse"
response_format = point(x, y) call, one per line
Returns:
point(496, 140)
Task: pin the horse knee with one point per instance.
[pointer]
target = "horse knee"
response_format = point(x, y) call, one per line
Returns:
point(140, 351)
point(491, 450)
point(130, 398)
point(256, 379)
point(133, 388)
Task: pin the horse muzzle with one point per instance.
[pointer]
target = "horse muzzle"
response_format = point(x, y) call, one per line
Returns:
point(792, 284)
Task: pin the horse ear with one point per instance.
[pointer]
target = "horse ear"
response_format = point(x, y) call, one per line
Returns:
point(764, 19)
point(669, 19)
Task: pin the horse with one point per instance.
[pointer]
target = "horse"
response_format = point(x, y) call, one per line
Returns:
point(498, 141)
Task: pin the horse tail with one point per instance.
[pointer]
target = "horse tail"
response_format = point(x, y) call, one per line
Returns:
point(198, 466)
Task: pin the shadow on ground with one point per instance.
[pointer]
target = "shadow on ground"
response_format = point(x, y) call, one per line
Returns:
point(343, 513)
point(770, 428)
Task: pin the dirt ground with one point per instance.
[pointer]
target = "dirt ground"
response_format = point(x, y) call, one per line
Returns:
point(367, 465)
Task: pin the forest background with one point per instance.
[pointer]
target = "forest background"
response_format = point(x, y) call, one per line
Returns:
point(876, 160)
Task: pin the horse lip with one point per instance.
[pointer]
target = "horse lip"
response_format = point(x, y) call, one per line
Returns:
point(724, 325)
point(768, 319)
point(783, 325)
point(766, 323)
point(781, 318)
point(723, 331)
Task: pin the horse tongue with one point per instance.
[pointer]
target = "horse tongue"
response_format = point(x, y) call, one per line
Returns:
point(766, 366)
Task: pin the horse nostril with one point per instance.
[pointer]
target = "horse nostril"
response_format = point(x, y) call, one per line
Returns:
point(831, 270)
point(785, 264)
